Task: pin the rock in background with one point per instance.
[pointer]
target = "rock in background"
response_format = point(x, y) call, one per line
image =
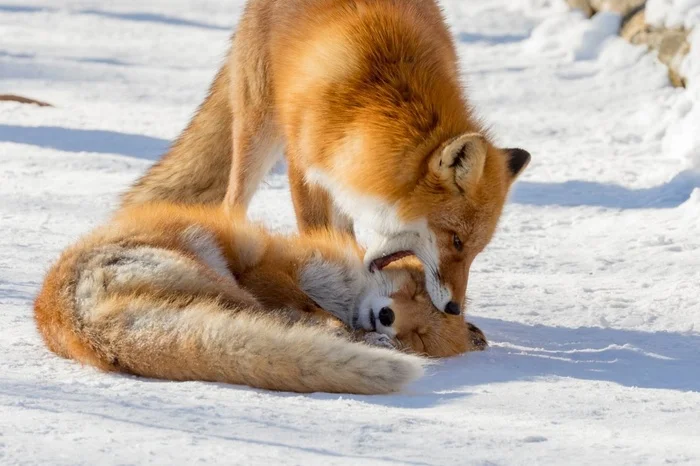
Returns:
point(670, 43)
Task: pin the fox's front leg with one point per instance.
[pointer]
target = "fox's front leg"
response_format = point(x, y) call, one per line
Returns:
point(349, 293)
point(313, 205)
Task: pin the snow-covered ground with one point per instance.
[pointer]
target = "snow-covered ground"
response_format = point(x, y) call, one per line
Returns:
point(673, 13)
point(683, 136)
point(590, 293)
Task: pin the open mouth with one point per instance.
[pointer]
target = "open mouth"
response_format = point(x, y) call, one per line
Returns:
point(379, 264)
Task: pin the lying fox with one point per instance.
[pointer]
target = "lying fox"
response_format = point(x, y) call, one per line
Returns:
point(365, 98)
point(197, 293)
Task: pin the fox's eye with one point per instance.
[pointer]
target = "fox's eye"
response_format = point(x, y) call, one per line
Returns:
point(457, 242)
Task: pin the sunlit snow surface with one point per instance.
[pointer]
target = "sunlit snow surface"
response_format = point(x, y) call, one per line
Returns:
point(590, 292)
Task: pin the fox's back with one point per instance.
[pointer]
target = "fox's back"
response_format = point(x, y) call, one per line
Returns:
point(357, 78)
point(320, 47)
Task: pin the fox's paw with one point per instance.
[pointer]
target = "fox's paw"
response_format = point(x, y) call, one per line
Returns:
point(379, 339)
point(375, 314)
point(477, 337)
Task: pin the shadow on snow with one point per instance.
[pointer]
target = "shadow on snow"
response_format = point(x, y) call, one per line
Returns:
point(85, 140)
point(23, 9)
point(590, 193)
point(180, 415)
point(131, 16)
point(154, 18)
point(519, 352)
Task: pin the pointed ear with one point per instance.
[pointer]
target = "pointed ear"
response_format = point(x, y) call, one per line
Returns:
point(460, 164)
point(518, 160)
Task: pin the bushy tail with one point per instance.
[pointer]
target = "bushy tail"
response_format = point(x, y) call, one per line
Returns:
point(196, 168)
point(204, 341)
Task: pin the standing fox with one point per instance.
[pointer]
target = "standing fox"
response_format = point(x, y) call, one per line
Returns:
point(196, 293)
point(364, 96)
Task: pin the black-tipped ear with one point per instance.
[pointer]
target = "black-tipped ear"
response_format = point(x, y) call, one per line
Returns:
point(518, 159)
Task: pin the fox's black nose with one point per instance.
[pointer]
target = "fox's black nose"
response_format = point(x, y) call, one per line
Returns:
point(452, 308)
point(386, 316)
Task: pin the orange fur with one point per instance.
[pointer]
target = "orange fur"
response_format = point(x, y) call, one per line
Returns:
point(145, 295)
point(365, 97)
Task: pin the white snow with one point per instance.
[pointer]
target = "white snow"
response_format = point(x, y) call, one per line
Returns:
point(567, 35)
point(590, 292)
point(691, 120)
point(683, 135)
point(673, 13)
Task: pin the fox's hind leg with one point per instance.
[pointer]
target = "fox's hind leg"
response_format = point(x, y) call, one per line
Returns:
point(256, 148)
point(257, 140)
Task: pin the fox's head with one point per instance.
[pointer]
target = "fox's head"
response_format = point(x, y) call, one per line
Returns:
point(452, 212)
point(421, 328)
